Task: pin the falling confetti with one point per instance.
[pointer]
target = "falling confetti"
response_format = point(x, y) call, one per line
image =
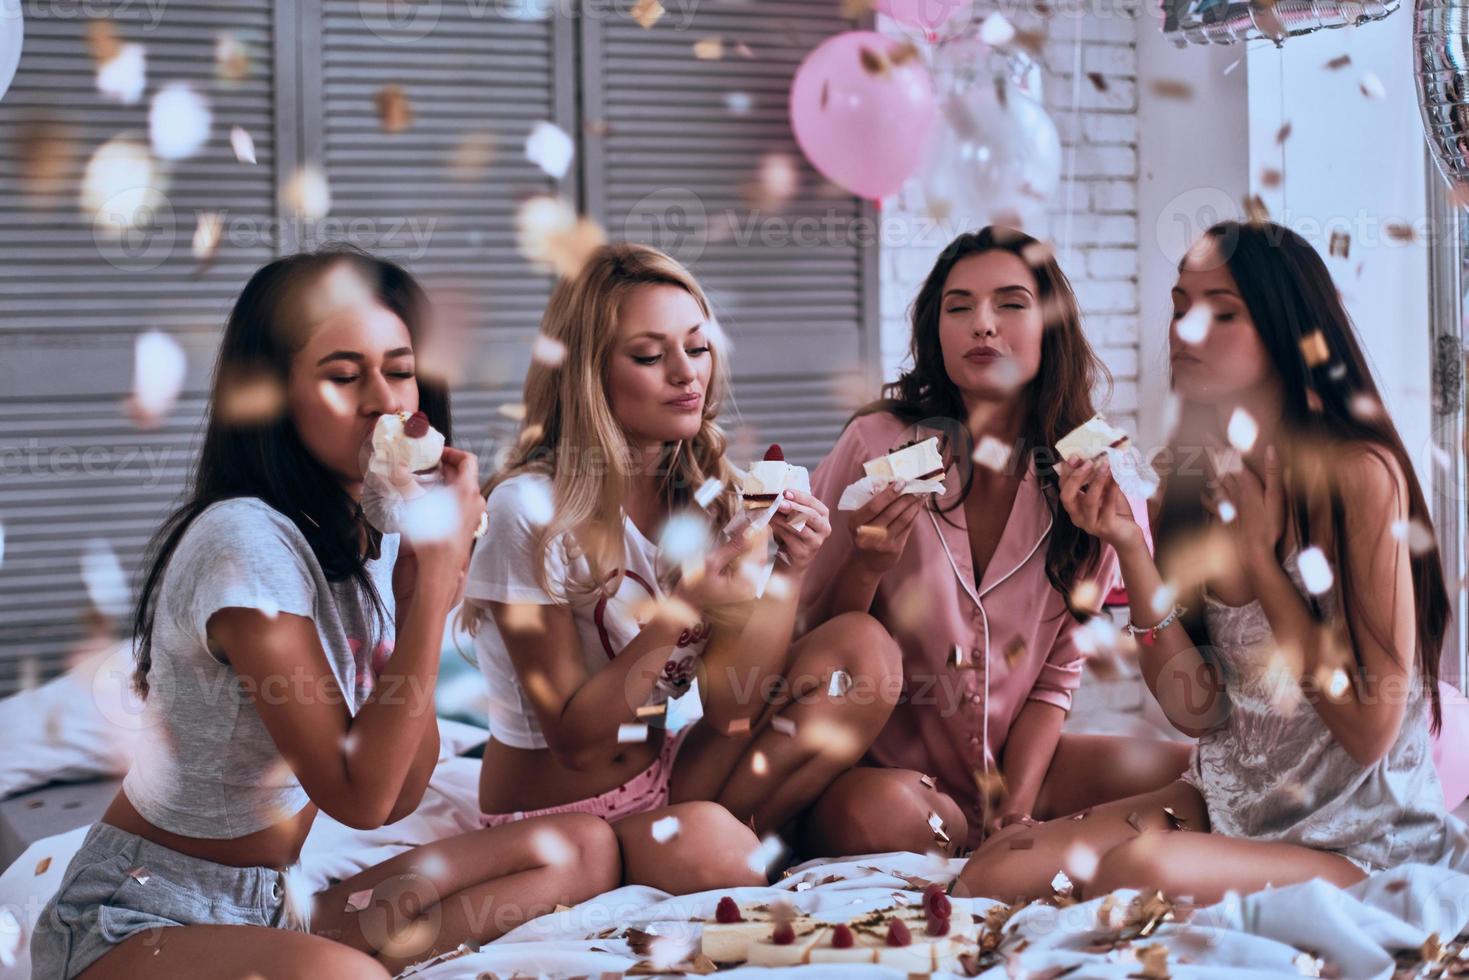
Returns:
point(1164, 598)
point(548, 351)
point(1270, 178)
point(936, 825)
point(1227, 512)
point(992, 453)
point(840, 683)
point(777, 179)
point(43, 865)
point(759, 764)
point(1098, 80)
point(307, 194)
point(1337, 684)
point(1338, 63)
point(1061, 884)
point(685, 539)
point(123, 77)
point(206, 235)
point(1372, 88)
point(1284, 134)
point(771, 850)
point(120, 187)
point(472, 156)
point(11, 936)
point(394, 111)
point(709, 49)
point(550, 148)
point(647, 13)
point(1341, 245)
point(708, 492)
point(243, 144)
point(631, 733)
point(551, 235)
point(783, 725)
point(1401, 232)
point(178, 122)
point(739, 103)
point(1314, 348)
point(106, 584)
point(1315, 570)
point(1418, 535)
point(359, 900)
point(1172, 88)
point(2, 543)
point(996, 30)
point(159, 368)
point(665, 829)
point(1015, 651)
point(231, 59)
point(1242, 430)
point(1194, 327)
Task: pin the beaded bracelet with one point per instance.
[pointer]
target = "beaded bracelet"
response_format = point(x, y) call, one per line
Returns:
point(1147, 635)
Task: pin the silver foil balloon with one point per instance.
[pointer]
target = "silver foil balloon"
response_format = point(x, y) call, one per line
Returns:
point(1188, 22)
point(1441, 57)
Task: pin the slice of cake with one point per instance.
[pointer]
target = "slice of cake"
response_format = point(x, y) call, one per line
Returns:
point(404, 444)
point(915, 461)
point(772, 476)
point(727, 939)
point(1092, 439)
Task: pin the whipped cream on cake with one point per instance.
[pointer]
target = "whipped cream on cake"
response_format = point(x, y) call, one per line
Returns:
point(770, 477)
point(915, 461)
point(1092, 439)
point(404, 444)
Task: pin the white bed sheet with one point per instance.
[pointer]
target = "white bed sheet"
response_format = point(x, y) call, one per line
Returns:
point(1354, 931)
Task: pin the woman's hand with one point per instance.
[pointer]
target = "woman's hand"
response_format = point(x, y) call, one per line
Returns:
point(1258, 520)
point(443, 558)
point(799, 548)
point(1096, 503)
point(880, 529)
point(724, 580)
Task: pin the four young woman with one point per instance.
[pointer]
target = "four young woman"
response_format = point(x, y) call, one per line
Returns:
point(671, 682)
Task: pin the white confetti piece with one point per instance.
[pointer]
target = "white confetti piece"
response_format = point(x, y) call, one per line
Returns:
point(432, 517)
point(139, 874)
point(548, 351)
point(1230, 69)
point(1227, 513)
point(123, 77)
point(992, 454)
point(771, 849)
point(1061, 884)
point(784, 725)
point(1163, 599)
point(708, 491)
point(106, 584)
point(631, 732)
point(1242, 430)
point(759, 764)
point(1315, 570)
point(996, 30)
point(665, 829)
point(551, 235)
point(299, 895)
point(359, 900)
point(120, 187)
point(1194, 327)
point(178, 122)
point(685, 539)
point(1372, 87)
point(159, 368)
point(10, 938)
point(307, 194)
point(1418, 535)
point(207, 234)
point(231, 58)
point(840, 683)
point(739, 103)
point(1337, 685)
point(549, 148)
point(243, 144)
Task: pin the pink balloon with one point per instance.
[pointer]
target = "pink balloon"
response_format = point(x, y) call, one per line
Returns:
point(1451, 745)
point(860, 119)
point(926, 15)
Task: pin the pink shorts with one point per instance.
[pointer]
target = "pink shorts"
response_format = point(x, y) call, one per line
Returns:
point(648, 790)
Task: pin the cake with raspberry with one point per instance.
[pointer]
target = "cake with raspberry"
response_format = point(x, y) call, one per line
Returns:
point(403, 444)
point(772, 476)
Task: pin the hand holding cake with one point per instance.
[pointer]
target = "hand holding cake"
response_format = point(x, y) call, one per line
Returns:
point(402, 469)
point(916, 468)
point(1096, 438)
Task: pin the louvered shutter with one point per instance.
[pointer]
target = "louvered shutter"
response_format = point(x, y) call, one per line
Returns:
point(73, 468)
point(676, 142)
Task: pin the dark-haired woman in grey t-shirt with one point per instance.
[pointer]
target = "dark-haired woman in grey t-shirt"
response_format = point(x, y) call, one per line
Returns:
point(288, 654)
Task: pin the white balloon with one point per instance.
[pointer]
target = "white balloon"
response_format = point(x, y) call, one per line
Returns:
point(12, 32)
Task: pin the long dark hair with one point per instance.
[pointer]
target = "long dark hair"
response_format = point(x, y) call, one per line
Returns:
point(1290, 295)
point(265, 457)
point(1058, 400)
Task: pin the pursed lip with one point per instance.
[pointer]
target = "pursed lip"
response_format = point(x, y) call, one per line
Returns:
point(686, 401)
point(1186, 358)
point(983, 352)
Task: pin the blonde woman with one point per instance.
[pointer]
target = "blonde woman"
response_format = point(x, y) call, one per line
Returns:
point(584, 626)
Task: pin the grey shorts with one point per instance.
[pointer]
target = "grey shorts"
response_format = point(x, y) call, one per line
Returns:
point(120, 885)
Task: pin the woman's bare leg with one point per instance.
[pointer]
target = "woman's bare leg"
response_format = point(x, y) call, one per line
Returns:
point(232, 953)
point(869, 811)
point(770, 775)
point(474, 887)
point(1089, 770)
point(711, 849)
point(1020, 861)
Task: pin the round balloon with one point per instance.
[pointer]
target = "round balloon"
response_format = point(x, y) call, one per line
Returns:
point(12, 32)
point(995, 154)
point(928, 15)
point(861, 107)
point(1451, 745)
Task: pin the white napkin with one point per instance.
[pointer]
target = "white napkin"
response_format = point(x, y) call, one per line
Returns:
point(858, 494)
point(1134, 476)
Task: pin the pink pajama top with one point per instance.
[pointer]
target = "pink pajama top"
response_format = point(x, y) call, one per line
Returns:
point(1011, 633)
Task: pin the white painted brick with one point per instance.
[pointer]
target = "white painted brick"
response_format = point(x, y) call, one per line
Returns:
point(1112, 263)
point(1109, 127)
point(1110, 59)
point(1113, 330)
point(1106, 161)
point(1123, 400)
point(1121, 361)
point(1109, 22)
point(1106, 297)
point(1103, 229)
point(1114, 195)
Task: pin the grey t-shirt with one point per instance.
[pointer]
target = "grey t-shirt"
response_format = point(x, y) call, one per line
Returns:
point(206, 766)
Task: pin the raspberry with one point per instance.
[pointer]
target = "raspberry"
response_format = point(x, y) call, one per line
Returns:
point(842, 938)
point(936, 903)
point(898, 934)
point(937, 927)
point(727, 911)
point(784, 934)
point(774, 453)
point(416, 426)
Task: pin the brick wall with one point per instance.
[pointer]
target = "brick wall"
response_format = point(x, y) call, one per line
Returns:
point(1098, 247)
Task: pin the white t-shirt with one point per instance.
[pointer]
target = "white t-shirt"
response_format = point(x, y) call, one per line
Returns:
point(503, 569)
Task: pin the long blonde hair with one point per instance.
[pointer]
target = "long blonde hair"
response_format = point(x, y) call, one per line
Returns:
point(570, 434)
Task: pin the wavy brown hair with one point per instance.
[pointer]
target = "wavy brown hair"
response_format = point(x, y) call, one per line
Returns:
point(1058, 399)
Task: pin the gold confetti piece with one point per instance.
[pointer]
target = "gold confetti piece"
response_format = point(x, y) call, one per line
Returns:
point(1341, 245)
point(957, 658)
point(1135, 822)
point(472, 156)
point(1284, 134)
point(1098, 80)
point(1314, 349)
point(139, 874)
point(394, 111)
point(1270, 178)
point(628, 733)
point(840, 684)
point(1400, 232)
point(1014, 651)
point(306, 194)
point(1255, 210)
point(552, 236)
point(1154, 961)
point(905, 52)
point(647, 13)
point(1172, 88)
point(1338, 63)
point(709, 49)
point(43, 865)
point(738, 726)
point(873, 62)
point(928, 781)
point(358, 900)
point(936, 824)
point(650, 711)
point(231, 58)
point(102, 41)
point(743, 50)
point(1175, 822)
point(783, 725)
